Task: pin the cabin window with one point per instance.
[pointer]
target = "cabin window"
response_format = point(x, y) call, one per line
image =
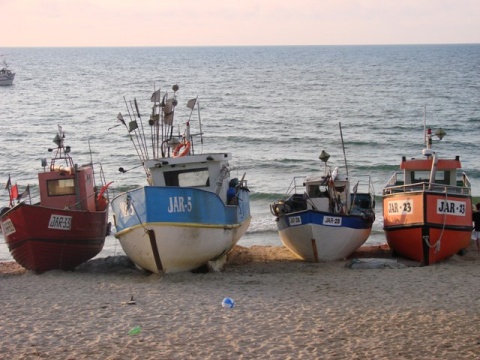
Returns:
point(188, 178)
point(441, 177)
point(420, 176)
point(315, 191)
point(61, 187)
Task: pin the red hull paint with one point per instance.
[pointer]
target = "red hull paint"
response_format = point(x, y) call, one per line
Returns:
point(42, 239)
point(406, 231)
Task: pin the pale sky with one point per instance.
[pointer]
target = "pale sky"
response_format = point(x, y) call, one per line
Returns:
point(28, 23)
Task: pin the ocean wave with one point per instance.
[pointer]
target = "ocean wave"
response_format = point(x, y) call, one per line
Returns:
point(255, 196)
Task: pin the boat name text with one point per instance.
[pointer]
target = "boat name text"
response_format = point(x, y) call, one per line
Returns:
point(332, 221)
point(60, 222)
point(179, 204)
point(450, 207)
point(400, 207)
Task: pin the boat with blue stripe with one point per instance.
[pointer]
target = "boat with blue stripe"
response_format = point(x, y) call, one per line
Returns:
point(192, 212)
point(322, 217)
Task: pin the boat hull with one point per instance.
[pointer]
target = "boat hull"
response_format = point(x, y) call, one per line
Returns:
point(426, 226)
point(42, 239)
point(6, 79)
point(6, 82)
point(318, 236)
point(174, 229)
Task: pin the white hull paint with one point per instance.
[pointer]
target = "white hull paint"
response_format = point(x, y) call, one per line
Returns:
point(180, 248)
point(313, 242)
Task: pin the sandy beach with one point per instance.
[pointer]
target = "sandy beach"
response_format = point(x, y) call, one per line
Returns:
point(284, 309)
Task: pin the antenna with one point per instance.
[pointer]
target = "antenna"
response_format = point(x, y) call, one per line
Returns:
point(343, 147)
point(324, 156)
point(425, 125)
point(91, 160)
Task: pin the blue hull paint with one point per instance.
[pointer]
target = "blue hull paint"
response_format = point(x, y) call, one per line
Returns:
point(320, 236)
point(180, 205)
point(317, 218)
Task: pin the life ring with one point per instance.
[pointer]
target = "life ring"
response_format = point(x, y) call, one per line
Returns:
point(186, 145)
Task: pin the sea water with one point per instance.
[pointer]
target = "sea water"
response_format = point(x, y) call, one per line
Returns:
point(275, 108)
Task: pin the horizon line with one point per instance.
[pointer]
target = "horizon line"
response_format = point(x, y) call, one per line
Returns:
point(251, 45)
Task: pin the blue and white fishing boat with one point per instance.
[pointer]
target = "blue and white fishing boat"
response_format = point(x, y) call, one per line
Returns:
point(322, 218)
point(191, 212)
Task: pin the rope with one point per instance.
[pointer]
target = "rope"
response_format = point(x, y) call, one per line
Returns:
point(138, 217)
point(437, 243)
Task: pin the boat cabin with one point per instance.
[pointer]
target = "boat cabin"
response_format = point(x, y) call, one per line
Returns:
point(322, 196)
point(67, 187)
point(208, 172)
point(321, 193)
point(431, 173)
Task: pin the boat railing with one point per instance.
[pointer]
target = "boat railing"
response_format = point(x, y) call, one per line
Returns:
point(427, 186)
point(363, 184)
point(296, 186)
point(393, 181)
point(465, 181)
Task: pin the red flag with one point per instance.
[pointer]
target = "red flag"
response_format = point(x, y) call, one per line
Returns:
point(14, 192)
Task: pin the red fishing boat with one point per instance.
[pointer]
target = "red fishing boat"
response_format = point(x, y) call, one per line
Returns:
point(427, 208)
point(68, 226)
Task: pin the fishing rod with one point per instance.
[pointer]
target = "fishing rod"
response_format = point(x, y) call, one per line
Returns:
point(120, 118)
point(153, 122)
point(139, 152)
point(113, 127)
point(137, 132)
point(156, 119)
point(168, 112)
point(142, 133)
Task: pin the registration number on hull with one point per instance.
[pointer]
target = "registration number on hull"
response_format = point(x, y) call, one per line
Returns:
point(400, 207)
point(60, 222)
point(8, 227)
point(451, 207)
point(332, 221)
point(295, 220)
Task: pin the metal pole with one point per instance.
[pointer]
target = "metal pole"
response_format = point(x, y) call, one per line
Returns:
point(343, 147)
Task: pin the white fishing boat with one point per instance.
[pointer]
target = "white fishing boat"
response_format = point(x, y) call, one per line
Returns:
point(191, 212)
point(6, 75)
point(322, 217)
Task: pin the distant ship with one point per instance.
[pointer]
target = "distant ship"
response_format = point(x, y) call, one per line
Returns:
point(6, 75)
